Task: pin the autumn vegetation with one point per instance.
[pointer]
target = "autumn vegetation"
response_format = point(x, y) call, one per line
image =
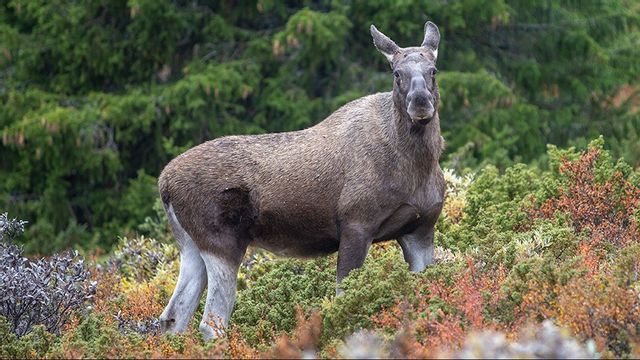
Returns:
point(557, 246)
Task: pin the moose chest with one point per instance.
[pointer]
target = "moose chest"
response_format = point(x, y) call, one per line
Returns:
point(410, 210)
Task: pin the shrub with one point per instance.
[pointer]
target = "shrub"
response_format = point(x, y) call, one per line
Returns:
point(41, 292)
point(33, 345)
point(384, 278)
point(489, 212)
point(303, 341)
point(597, 198)
point(10, 228)
point(140, 258)
point(136, 283)
point(626, 268)
point(456, 194)
point(442, 312)
point(268, 306)
point(592, 307)
point(45, 291)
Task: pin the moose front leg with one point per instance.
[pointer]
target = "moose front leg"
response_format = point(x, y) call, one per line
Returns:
point(417, 248)
point(354, 245)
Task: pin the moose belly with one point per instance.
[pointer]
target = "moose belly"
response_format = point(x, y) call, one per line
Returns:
point(294, 246)
point(301, 227)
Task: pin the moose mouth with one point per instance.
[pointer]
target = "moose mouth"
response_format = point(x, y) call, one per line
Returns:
point(422, 120)
point(421, 111)
point(421, 117)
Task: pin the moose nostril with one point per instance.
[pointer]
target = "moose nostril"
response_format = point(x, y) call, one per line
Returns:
point(420, 101)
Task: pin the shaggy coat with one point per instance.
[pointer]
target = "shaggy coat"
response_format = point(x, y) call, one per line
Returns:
point(367, 173)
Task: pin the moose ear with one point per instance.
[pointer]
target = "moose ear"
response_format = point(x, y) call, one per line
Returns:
point(431, 38)
point(385, 45)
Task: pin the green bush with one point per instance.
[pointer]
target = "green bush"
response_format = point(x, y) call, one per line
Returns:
point(268, 306)
point(35, 345)
point(495, 207)
point(384, 278)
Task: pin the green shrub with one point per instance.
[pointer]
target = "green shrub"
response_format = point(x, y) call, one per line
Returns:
point(494, 208)
point(141, 258)
point(268, 306)
point(384, 278)
point(94, 337)
point(34, 345)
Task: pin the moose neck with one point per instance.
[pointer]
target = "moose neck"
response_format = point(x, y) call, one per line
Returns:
point(421, 142)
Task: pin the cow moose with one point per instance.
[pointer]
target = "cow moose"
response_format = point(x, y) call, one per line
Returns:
point(367, 173)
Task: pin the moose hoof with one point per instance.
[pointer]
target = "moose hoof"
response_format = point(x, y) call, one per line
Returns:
point(167, 325)
point(209, 333)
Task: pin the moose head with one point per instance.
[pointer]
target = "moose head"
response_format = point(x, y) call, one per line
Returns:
point(414, 88)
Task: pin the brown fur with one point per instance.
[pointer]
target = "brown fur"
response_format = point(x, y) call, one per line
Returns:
point(367, 173)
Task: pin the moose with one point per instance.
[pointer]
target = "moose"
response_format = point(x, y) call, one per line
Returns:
point(367, 173)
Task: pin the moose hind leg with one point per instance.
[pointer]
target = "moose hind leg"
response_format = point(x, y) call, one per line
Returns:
point(221, 293)
point(191, 281)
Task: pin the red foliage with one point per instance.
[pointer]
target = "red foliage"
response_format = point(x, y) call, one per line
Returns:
point(304, 340)
point(592, 307)
point(466, 306)
point(107, 290)
point(605, 209)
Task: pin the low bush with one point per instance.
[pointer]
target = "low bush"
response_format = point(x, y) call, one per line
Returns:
point(384, 278)
point(268, 307)
point(34, 345)
point(40, 292)
point(10, 228)
point(140, 258)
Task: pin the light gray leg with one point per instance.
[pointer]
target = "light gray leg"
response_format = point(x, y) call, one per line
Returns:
point(417, 249)
point(191, 281)
point(221, 294)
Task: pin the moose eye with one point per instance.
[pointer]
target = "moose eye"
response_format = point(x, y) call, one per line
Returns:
point(434, 71)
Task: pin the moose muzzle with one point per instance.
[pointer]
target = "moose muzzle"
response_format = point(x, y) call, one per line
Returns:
point(420, 102)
